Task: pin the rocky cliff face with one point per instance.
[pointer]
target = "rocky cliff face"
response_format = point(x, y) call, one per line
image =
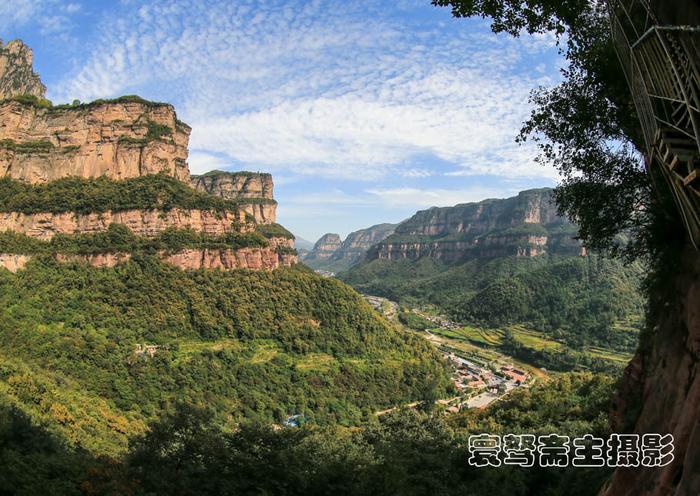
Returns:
point(234, 185)
point(17, 76)
point(525, 225)
point(118, 139)
point(45, 226)
point(239, 186)
point(325, 247)
point(661, 388)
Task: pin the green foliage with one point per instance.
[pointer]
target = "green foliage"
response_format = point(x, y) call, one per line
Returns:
point(235, 174)
point(27, 146)
point(119, 238)
point(187, 451)
point(575, 299)
point(414, 321)
point(273, 231)
point(158, 131)
point(33, 100)
point(82, 196)
point(251, 345)
point(102, 101)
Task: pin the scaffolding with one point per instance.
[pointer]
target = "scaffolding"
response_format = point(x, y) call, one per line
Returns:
point(661, 61)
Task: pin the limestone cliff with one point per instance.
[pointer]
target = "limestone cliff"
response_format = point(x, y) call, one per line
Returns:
point(524, 225)
point(234, 185)
point(240, 186)
point(17, 76)
point(123, 138)
point(119, 139)
point(46, 225)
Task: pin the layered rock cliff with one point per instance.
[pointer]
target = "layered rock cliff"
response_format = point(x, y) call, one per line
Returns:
point(324, 248)
point(525, 225)
point(116, 140)
point(234, 185)
point(240, 186)
point(119, 139)
point(17, 76)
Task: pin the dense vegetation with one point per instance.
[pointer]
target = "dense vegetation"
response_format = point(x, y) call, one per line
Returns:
point(575, 299)
point(82, 196)
point(119, 238)
point(187, 452)
point(35, 101)
point(251, 345)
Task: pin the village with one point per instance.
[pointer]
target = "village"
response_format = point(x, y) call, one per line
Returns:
point(478, 382)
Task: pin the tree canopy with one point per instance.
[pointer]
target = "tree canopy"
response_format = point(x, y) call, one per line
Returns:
point(587, 127)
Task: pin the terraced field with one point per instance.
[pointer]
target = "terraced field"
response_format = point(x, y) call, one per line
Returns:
point(493, 337)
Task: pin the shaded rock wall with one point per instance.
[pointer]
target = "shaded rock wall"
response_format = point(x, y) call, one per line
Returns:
point(661, 388)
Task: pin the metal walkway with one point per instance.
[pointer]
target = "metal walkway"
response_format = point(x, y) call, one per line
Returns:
point(662, 66)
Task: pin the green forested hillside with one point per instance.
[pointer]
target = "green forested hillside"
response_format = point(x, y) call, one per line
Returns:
point(251, 346)
point(186, 452)
point(580, 300)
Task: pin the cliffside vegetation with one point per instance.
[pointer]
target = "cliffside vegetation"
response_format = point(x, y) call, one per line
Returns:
point(83, 196)
point(43, 103)
point(119, 238)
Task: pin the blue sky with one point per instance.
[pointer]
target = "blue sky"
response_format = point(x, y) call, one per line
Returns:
point(363, 111)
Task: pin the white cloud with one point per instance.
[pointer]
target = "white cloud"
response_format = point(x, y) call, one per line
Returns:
point(18, 12)
point(201, 162)
point(437, 197)
point(315, 88)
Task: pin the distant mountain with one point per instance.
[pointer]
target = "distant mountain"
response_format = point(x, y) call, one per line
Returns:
point(526, 225)
point(304, 244)
point(331, 254)
point(508, 261)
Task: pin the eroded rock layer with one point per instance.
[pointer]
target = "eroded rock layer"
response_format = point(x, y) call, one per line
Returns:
point(113, 139)
point(526, 225)
point(141, 222)
point(235, 185)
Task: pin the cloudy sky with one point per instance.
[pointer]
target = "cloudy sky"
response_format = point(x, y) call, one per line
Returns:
point(364, 111)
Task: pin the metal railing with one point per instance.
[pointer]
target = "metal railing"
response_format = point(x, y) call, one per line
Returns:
point(662, 67)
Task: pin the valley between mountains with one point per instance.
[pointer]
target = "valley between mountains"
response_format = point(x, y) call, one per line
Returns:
point(162, 333)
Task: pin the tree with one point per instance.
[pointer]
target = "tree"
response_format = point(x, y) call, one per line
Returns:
point(587, 127)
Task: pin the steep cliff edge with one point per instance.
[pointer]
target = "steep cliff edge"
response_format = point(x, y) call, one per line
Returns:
point(232, 185)
point(240, 186)
point(525, 225)
point(661, 387)
point(70, 171)
point(119, 139)
point(17, 76)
